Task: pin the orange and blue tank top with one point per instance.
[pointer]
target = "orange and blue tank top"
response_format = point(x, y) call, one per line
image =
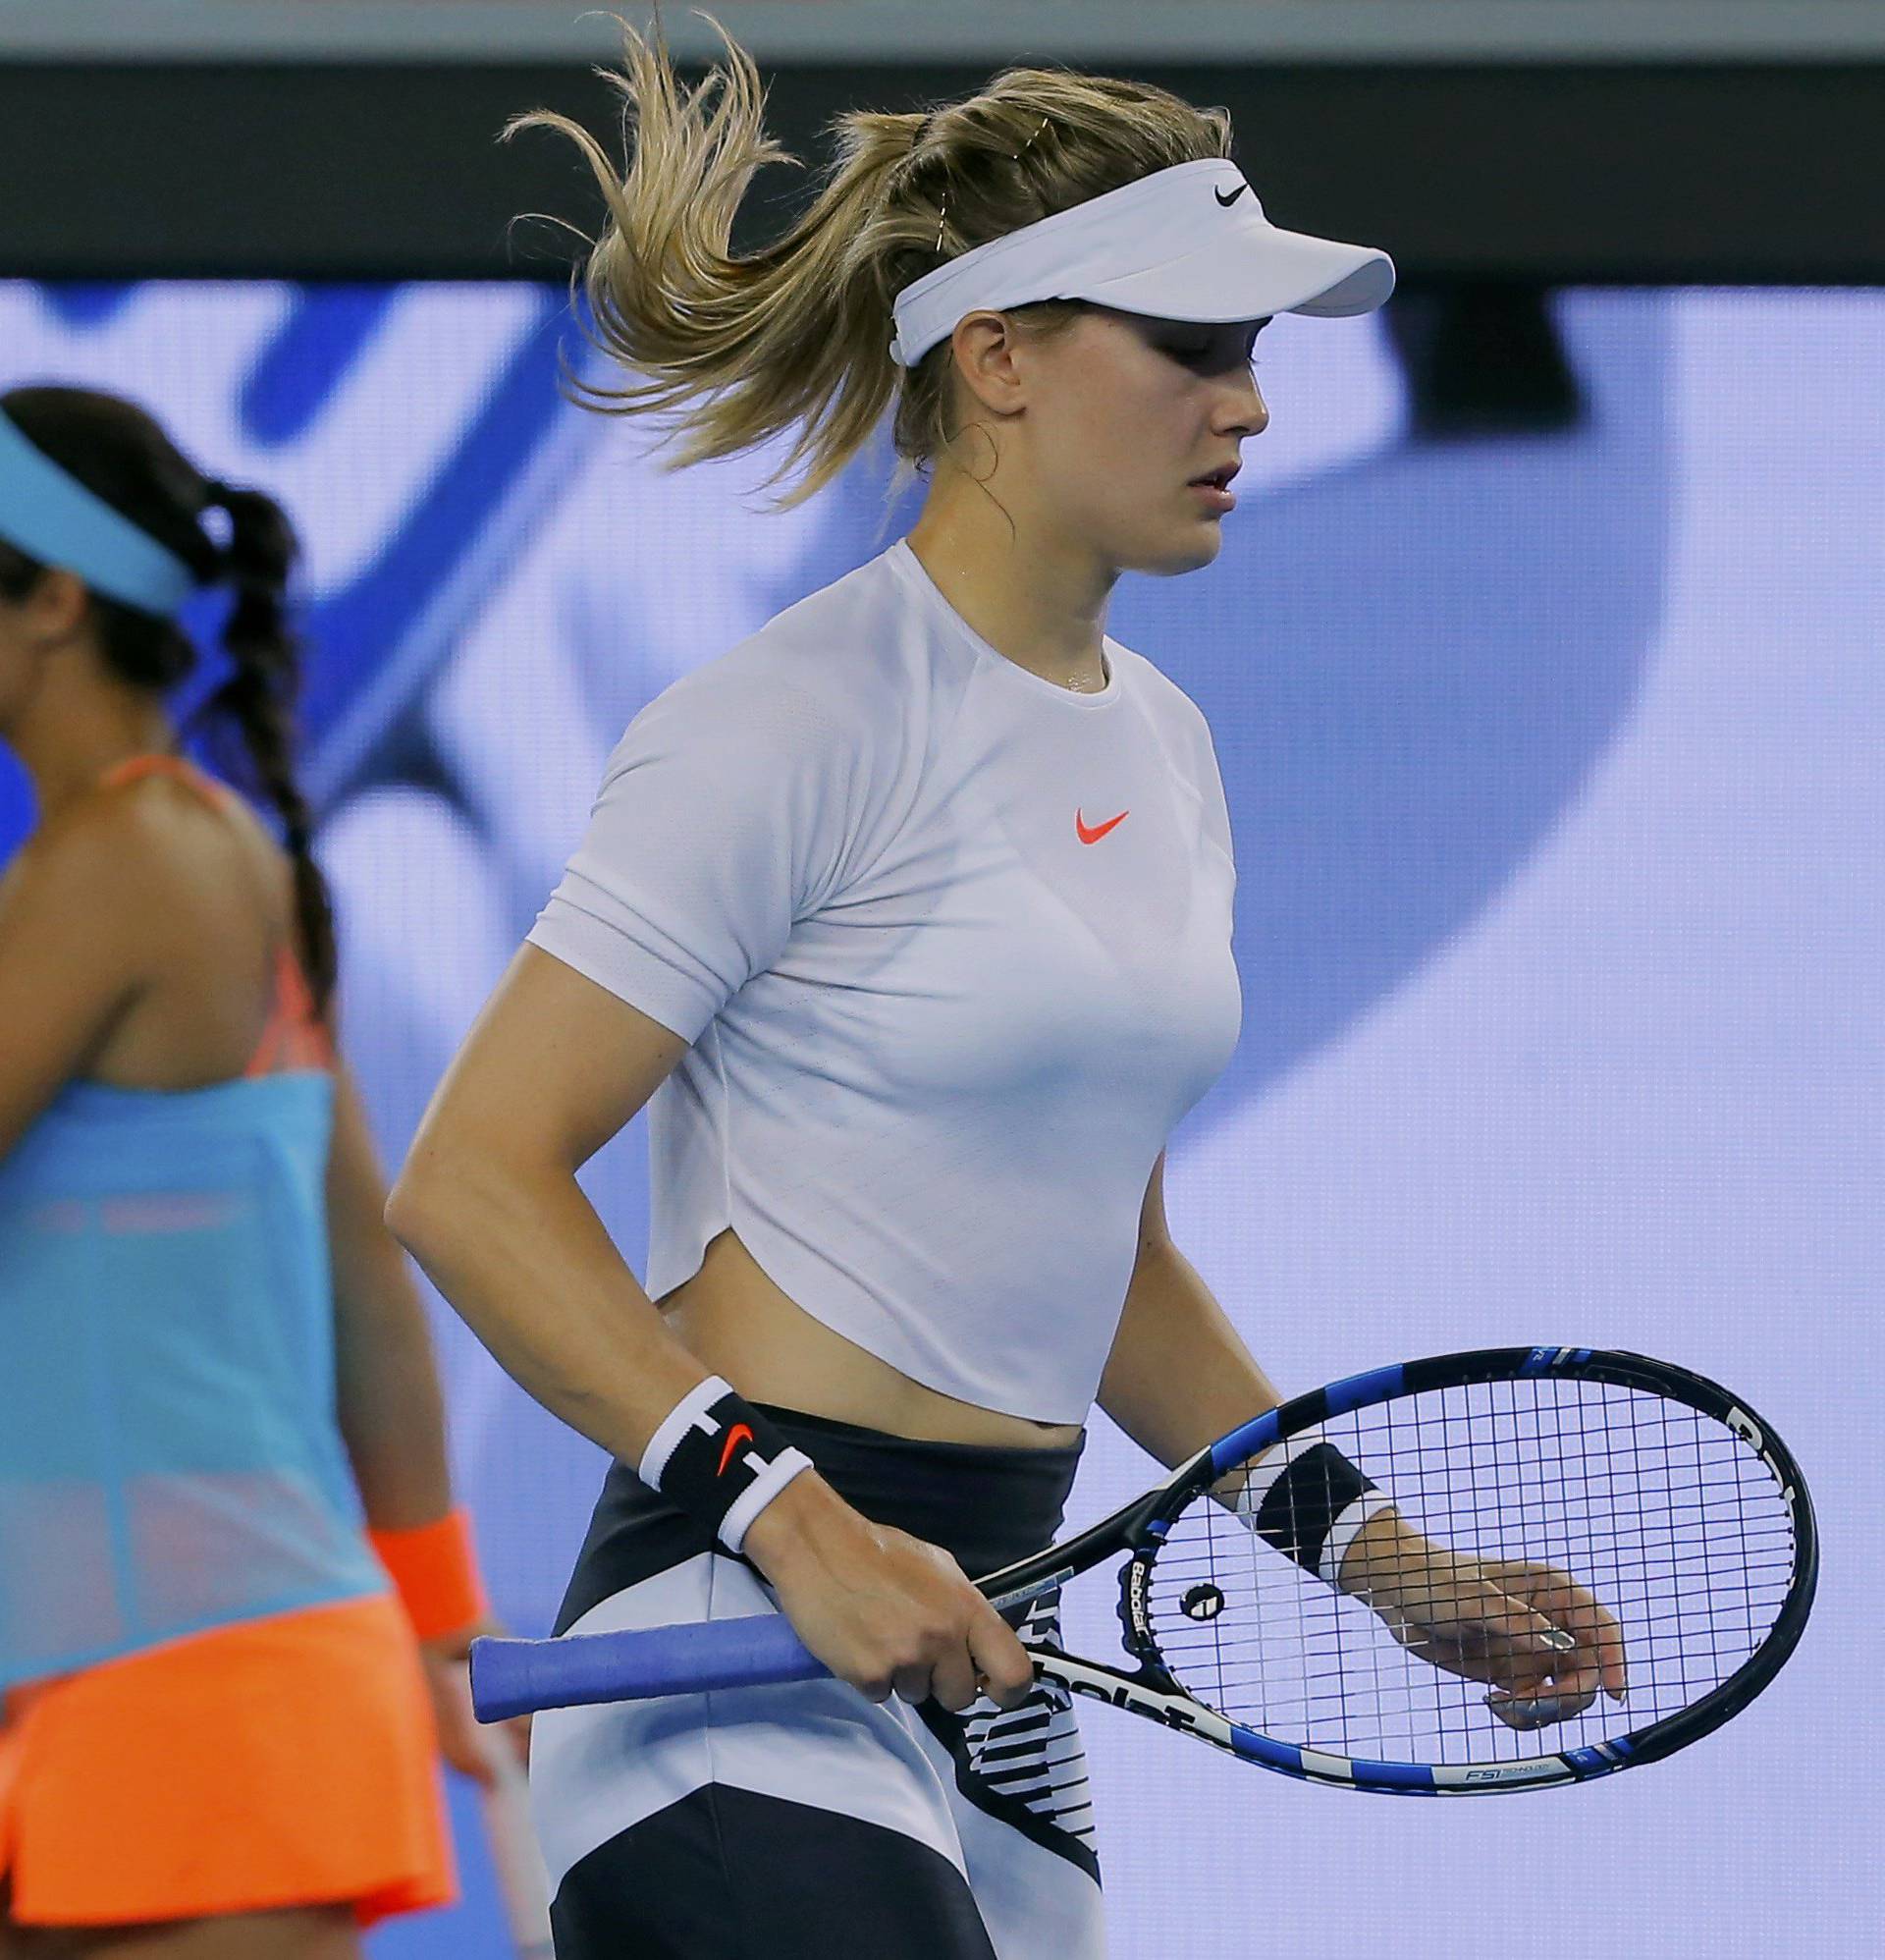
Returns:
point(170, 1455)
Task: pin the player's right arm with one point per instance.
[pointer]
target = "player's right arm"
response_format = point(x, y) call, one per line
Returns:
point(489, 1205)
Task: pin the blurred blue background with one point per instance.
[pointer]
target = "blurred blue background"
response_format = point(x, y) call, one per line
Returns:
point(1554, 767)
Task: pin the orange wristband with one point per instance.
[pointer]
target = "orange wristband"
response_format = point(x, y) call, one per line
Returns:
point(436, 1571)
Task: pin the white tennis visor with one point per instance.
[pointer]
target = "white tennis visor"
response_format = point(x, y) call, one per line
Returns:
point(1186, 243)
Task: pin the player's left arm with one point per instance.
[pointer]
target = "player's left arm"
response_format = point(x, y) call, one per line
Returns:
point(1179, 1375)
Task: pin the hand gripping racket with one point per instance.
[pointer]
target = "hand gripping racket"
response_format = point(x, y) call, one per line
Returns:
point(1659, 1530)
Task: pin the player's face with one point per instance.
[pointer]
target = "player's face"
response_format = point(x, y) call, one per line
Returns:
point(1139, 441)
point(48, 615)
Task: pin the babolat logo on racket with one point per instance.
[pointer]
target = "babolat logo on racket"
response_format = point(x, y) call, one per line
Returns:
point(1134, 1612)
point(1168, 1709)
point(1745, 1427)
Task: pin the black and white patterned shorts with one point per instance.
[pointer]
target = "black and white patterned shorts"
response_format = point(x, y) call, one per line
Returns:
point(803, 1822)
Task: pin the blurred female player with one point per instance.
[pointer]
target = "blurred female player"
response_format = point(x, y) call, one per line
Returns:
point(218, 1737)
point(912, 916)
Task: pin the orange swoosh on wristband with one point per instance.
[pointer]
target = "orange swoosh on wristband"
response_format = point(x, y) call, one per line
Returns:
point(732, 1443)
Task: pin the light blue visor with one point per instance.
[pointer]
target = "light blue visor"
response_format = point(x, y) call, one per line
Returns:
point(54, 519)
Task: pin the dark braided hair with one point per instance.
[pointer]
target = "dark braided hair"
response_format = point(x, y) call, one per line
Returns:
point(121, 454)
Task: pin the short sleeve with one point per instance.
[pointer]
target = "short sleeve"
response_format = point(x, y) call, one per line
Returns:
point(1210, 793)
point(722, 819)
point(1184, 732)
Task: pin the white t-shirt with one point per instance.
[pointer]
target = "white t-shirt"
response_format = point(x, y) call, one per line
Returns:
point(952, 947)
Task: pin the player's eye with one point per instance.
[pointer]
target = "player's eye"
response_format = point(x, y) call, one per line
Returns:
point(1208, 353)
point(1192, 349)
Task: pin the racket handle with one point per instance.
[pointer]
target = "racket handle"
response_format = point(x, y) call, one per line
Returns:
point(510, 1677)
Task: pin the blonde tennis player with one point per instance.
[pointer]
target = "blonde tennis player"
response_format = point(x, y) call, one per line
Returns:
point(910, 920)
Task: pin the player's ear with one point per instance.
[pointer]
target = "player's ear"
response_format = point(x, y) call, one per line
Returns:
point(55, 608)
point(986, 345)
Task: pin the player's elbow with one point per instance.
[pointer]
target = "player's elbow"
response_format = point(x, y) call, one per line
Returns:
point(410, 1213)
point(465, 1190)
point(436, 1195)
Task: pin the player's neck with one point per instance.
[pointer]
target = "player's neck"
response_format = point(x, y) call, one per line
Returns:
point(1038, 600)
point(74, 732)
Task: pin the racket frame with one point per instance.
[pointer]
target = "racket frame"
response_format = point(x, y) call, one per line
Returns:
point(1139, 1529)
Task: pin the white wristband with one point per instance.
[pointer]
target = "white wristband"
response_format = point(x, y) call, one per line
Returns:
point(1342, 1529)
point(758, 1495)
point(1341, 1534)
point(1262, 1475)
point(691, 1412)
point(695, 1458)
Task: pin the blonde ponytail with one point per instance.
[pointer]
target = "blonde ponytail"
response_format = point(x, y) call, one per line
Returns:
point(793, 340)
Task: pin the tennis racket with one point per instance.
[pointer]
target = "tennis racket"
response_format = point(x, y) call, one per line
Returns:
point(1655, 1526)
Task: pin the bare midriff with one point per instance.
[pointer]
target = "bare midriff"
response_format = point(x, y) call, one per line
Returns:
point(733, 1318)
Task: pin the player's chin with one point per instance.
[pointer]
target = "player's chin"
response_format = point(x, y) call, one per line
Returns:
point(1188, 547)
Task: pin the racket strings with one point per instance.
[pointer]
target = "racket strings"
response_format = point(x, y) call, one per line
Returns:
point(1670, 1520)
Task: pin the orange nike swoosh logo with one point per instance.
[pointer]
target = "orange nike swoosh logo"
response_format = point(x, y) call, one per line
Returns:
point(1093, 836)
point(732, 1443)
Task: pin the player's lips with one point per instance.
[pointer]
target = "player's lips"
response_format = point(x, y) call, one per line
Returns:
point(1215, 487)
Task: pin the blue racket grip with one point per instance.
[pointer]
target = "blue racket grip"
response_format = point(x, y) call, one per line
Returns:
point(512, 1678)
